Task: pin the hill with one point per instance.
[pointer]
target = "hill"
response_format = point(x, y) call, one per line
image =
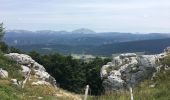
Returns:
point(76, 37)
point(146, 46)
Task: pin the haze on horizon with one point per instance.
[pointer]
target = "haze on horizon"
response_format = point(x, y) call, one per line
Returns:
point(99, 15)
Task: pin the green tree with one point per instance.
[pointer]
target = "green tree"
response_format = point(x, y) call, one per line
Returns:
point(93, 78)
point(3, 46)
point(2, 32)
point(72, 74)
point(14, 50)
point(36, 56)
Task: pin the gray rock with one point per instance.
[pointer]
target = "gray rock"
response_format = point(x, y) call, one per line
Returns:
point(109, 86)
point(40, 98)
point(40, 83)
point(15, 82)
point(3, 73)
point(25, 70)
point(37, 70)
point(20, 58)
point(132, 70)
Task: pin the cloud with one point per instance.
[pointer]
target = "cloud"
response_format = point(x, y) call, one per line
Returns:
point(100, 15)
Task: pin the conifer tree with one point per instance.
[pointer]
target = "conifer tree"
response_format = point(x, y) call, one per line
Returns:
point(2, 32)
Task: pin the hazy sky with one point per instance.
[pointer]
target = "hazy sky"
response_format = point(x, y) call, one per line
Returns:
point(98, 15)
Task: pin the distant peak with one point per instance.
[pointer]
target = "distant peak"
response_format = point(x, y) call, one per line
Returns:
point(83, 31)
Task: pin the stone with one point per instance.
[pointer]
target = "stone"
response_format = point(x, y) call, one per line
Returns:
point(109, 86)
point(40, 83)
point(40, 98)
point(41, 74)
point(32, 69)
point(37, 66)
point(103, 71)
point(130, 69)
point(152, 85)
point(20, 58)
point(25, 70)
point(127, 55)
point(14, 81)
point(3, 73)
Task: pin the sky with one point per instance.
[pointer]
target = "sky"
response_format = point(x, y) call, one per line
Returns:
point(143, 16)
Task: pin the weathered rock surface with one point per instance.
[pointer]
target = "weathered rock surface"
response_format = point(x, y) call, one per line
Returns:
point(16, 82)
point(3, 73)
point(29, 66)
point(130, 69)
point(40, 83)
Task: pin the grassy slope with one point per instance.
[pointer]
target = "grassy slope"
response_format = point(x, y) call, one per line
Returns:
point(11, 92)
point(144, 91)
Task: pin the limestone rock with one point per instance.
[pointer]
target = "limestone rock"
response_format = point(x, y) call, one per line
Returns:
point(40, 83)
point(15, 82)
point(42, 74)
point(29, 66)
point(130, 69)
point(25, 70)
point(3, 73)
point(20, 58)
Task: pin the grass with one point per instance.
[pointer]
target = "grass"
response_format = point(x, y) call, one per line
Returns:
point(11, 92)
point(144, 91)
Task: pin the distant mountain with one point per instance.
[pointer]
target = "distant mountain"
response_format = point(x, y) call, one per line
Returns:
point(146, 46)
point(76, 37)
point(83, 31)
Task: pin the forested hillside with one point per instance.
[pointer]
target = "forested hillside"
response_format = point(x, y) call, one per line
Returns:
point(146, 46)
point(76, 37)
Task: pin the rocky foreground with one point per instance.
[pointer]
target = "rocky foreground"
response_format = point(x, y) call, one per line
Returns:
point(34, 76)
point(129, 69)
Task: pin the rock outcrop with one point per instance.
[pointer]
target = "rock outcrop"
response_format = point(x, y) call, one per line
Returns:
point(130, 69)
point(3, 73)
point(31, 70)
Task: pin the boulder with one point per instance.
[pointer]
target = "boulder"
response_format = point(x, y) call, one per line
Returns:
point(3, 73)
point(103, 71)
point(41, 74)
point(39, 67)
point(25, 70)
point(20, 58)
point(40, 83)
point(31, 68)
point(129, 70)
point(14, 81)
